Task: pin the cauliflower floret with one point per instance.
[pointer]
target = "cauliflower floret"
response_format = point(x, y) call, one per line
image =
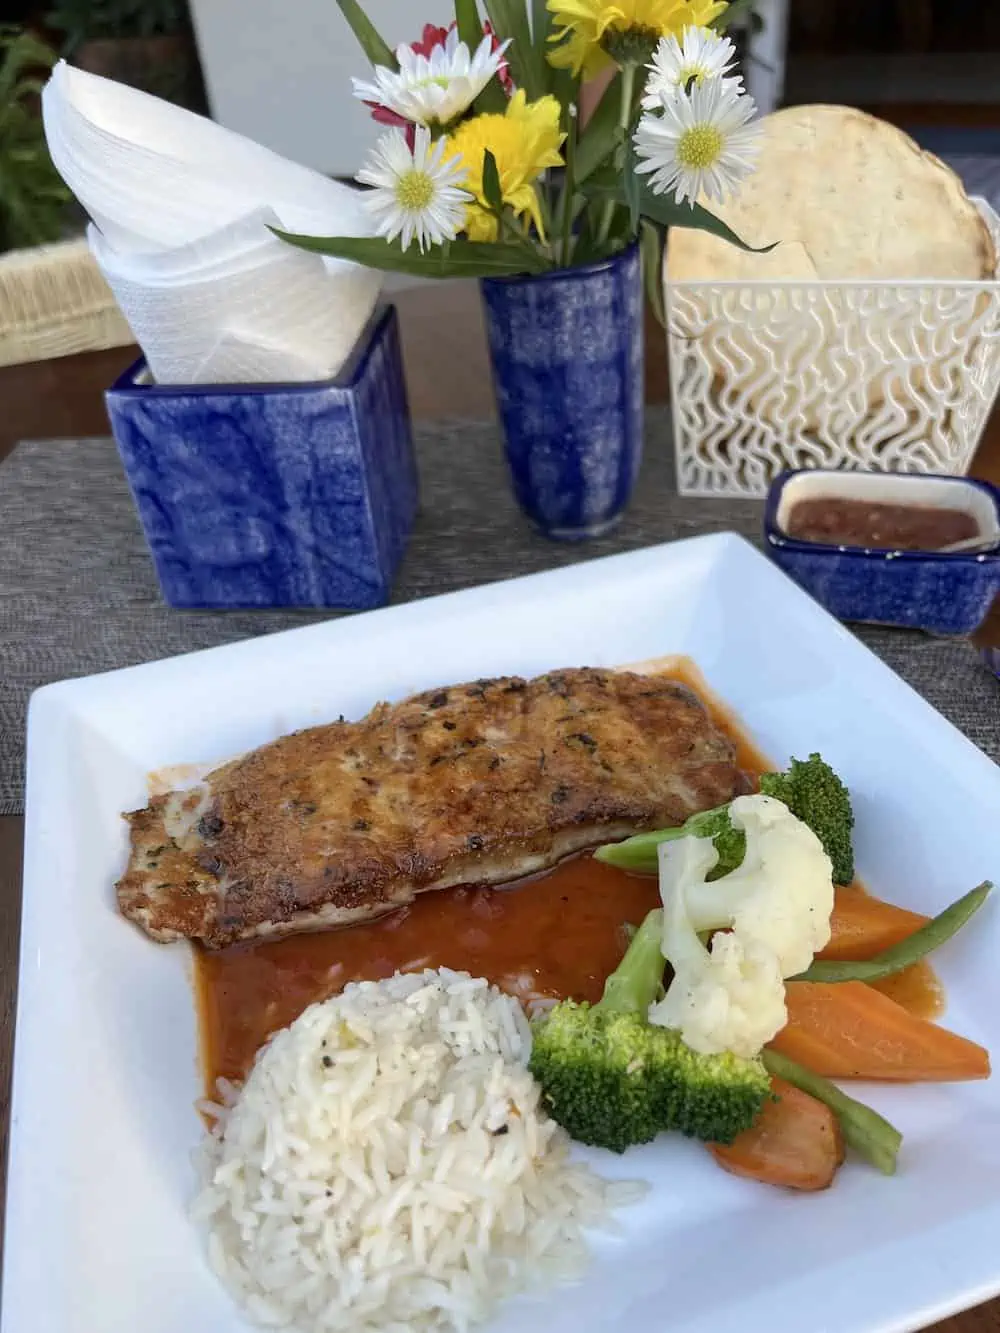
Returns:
point(734, 1002)
point(782, 893)
point(776, 907)
point(728, 998)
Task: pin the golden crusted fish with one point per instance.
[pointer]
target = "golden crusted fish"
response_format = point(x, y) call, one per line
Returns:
point(480, 783)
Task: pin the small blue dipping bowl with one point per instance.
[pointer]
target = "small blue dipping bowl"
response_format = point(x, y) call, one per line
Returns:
point(942, 594)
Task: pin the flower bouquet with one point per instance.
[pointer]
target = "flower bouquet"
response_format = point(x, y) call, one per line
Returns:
point(485, 169)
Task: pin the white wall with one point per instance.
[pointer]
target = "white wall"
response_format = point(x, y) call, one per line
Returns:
point(765, 72)
point(280, 71)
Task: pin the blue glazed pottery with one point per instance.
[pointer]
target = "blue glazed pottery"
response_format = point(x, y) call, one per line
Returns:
point(567, 356)
point(939, 593)
point(274, 495)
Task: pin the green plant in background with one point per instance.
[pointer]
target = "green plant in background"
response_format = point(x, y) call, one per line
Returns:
point(33, 199)
point(93, 20)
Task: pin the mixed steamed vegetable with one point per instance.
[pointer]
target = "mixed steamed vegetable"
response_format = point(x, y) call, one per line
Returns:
point(612, 1078)
point(754, 986)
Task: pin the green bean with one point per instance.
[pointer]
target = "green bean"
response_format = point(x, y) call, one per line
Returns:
point(869, 1134)
point(906, 952)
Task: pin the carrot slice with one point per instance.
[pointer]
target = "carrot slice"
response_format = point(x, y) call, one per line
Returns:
point(862, 926)
point(795, 1142)
point(849, 1030)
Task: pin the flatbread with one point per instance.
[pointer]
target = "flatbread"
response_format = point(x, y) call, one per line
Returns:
point(848, 196)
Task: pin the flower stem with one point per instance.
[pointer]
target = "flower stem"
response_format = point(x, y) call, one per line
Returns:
point(546, 212)
point(569, 184)
point(624, 121)
point(510, 229)
point(628, 88)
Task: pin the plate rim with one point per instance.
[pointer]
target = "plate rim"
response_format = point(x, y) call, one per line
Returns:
point(51, 701)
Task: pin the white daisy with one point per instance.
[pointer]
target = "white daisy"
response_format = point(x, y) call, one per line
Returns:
point(416, 196)
point(698, 142)
point(435, 88)
point(701, 54)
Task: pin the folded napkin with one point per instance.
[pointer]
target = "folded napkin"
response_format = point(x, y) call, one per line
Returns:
point(180, 209)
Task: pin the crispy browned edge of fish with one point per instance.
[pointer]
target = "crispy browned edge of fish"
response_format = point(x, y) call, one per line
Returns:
point(182, 870)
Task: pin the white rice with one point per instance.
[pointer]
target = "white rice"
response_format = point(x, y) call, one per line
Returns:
point(358, 1180)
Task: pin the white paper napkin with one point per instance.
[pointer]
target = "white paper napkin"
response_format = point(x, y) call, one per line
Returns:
point(180, 209)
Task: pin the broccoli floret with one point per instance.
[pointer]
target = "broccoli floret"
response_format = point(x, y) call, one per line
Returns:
point(613, 1079)
point(810, 789)
point(730, 843)
point(814, 794)
point(639, 852)
point(591, 1064)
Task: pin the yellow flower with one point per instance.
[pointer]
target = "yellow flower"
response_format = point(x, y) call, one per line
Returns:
point(524, 142)
point(600, 31)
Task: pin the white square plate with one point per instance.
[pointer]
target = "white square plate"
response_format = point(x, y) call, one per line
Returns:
point(105, 1074)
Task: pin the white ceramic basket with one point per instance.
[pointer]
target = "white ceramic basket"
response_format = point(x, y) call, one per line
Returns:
point(884, 376)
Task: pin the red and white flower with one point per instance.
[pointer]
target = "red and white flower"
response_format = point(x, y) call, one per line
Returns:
point(438, 78)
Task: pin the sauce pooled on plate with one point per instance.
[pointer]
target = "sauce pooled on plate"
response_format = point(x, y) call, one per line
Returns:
point(555, 936)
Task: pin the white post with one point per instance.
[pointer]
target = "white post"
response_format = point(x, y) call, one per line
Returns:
point(765, 63)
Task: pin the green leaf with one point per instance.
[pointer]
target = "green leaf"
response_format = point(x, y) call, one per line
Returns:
point(470, 28)
point(586, 248)
point(492, 192)
point(21, 54)
point(541, 31)
point(492, 100)
point(604, 181)
point(375, 48)
point(735, 10)
point(565, 88)
point(665, 211)
point(601, 136)
point(459, 259)
point(33, 197)
point(651, 254)
point(509, 18)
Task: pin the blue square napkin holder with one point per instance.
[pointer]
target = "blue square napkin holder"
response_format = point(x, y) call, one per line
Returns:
point(274, 495)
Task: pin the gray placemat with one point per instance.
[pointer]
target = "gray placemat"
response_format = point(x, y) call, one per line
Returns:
point(78, 593)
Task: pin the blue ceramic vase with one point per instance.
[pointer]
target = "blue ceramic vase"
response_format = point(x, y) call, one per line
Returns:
point(567, 356)
point(274, 495)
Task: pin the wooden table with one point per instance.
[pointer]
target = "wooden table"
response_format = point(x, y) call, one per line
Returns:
point(448, 376)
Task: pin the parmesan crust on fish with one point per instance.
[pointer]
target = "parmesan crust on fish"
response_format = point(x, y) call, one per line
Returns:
point(479, 783)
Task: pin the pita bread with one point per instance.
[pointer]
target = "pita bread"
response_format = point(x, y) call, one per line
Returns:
point(855, 194)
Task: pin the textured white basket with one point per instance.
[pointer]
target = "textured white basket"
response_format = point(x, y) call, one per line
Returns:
point(883, 376)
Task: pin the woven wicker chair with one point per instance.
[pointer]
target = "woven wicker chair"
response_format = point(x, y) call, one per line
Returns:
point(54, 302)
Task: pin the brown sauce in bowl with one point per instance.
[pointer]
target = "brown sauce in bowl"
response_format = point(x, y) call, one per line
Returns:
point(835, 521)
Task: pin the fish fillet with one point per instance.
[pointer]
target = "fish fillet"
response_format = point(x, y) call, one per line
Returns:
point(478, 783)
